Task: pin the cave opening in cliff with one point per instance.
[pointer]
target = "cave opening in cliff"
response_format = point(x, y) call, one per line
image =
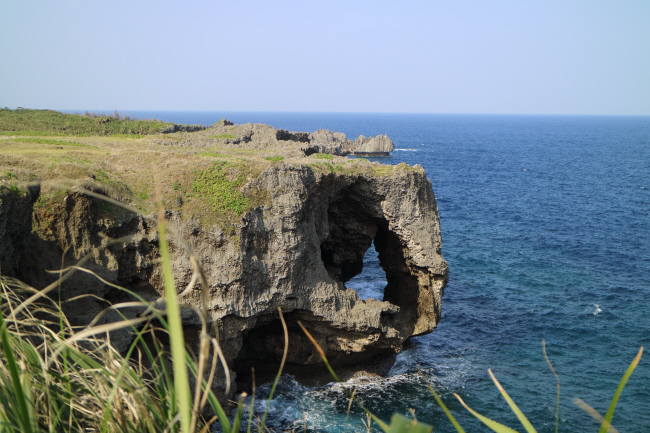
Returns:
point(370, 283)
point(357, 226)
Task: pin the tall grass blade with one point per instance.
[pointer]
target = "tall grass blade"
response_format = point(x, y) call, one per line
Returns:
point(277, 377)
point(21, 399)
point(176, 340)
point(401, 424)
point(594, 414)
point(252, 406)
point(236, 424)
point(612, 406)
point(118, 379)
point(495, 426)
point(441, 404)
point(212, 399)
point(522, 418)
point(557, 402)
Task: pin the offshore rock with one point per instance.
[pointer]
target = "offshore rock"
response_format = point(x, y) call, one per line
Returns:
point(380, 145)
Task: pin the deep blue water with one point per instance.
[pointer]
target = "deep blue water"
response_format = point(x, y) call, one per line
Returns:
point(546, 227)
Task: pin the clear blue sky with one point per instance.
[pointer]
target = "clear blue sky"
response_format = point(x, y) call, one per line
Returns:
point(453, 56)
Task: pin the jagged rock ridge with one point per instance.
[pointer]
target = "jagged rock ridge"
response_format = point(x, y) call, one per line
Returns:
point(257, 136)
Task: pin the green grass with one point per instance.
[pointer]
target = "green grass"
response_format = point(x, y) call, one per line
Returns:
point(14, 189)
point(54, 123)
point(33, 133)
point(223, 136)
point(274, 158)
point(50, 142)
point(323, 156)
point(221, 184)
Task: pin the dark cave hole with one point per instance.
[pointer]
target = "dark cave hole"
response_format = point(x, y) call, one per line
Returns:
point(370, 283)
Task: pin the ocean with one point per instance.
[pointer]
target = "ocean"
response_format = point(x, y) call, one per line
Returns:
point(546, 228)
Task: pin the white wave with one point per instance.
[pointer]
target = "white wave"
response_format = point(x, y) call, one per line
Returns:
point(406, 150)
point(597, 310)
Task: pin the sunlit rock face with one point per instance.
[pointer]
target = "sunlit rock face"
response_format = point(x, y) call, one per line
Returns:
point(295, 252)
point(380, 145)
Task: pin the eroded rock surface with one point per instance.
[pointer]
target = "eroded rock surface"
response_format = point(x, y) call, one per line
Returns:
point(174, 127)
point(257, 136)
point(295, 253)
point(15, 225)
point(380, 145)
point(293, 246)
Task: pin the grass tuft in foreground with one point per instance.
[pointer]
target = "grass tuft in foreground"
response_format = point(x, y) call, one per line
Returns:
point(55, 377)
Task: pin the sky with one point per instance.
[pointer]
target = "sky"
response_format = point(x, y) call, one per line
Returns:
point(434, 56)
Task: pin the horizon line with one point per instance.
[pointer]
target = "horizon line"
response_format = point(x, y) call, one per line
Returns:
point(76, 111)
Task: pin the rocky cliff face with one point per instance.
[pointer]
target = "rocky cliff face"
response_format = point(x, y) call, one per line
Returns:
point(15, 225)
point(297, 254)
point(295, 250)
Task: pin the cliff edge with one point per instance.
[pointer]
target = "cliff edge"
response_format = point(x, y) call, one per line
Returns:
point(272, 227)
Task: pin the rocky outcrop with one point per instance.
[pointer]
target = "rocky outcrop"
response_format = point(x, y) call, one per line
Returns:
point(380, 145)
point(326, 141)
point(295, 252)
point(257, 136)
point(170, 129)
point(284, 135)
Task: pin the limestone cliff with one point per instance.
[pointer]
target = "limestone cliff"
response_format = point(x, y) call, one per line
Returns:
point(294, 247)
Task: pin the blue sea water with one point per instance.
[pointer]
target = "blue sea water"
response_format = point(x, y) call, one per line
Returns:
point(546, 228)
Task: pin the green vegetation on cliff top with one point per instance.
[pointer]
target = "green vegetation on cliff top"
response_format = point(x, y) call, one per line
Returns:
point(54, 123)
point(221, 185)
point(184, 177)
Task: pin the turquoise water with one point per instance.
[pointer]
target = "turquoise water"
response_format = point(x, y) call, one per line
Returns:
point(546, 227)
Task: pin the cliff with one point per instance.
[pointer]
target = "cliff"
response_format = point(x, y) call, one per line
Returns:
point(271, 227)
